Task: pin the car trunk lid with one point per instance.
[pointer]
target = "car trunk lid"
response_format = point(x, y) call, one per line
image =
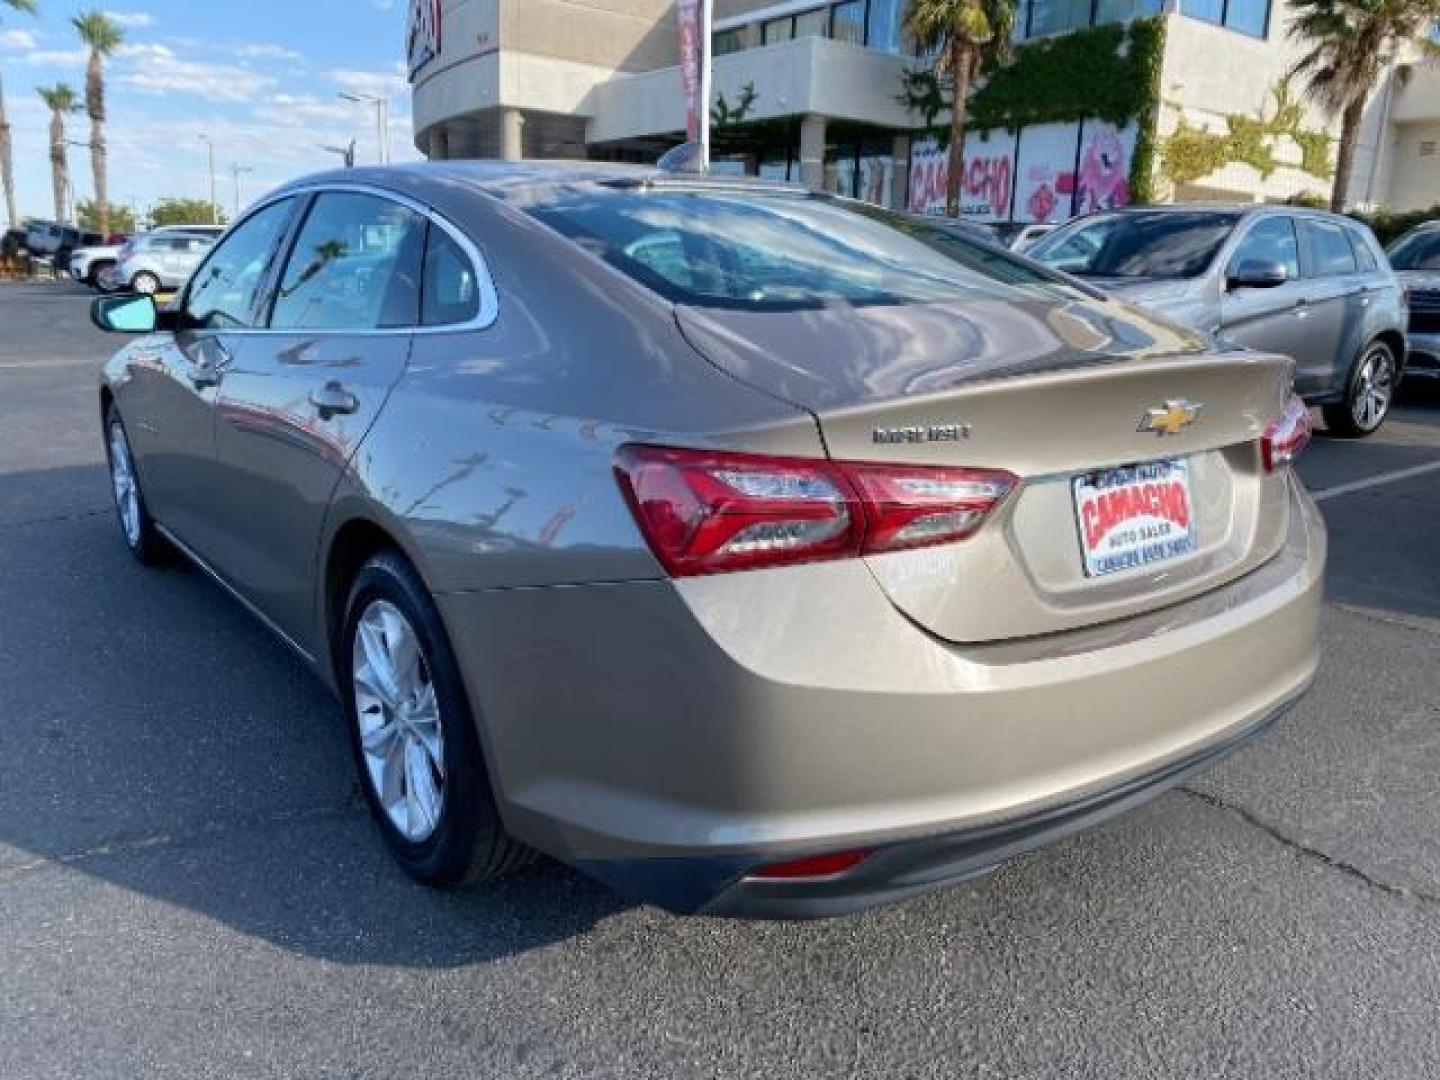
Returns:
point(1059, 394)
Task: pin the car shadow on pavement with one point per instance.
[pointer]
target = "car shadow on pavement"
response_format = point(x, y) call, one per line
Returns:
point(161, 741)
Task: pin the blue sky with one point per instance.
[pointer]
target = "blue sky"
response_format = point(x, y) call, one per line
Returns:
point(260, 77)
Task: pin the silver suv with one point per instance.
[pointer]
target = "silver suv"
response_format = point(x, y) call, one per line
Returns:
point(1312, 285)
point(1416, 259)
point(164, 259)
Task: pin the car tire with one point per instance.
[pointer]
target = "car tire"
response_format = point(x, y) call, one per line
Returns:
point(105, 280)
point(145, 283)
point(137, 527)
point(1369, 393)
point(95, 274)
point(414, 739)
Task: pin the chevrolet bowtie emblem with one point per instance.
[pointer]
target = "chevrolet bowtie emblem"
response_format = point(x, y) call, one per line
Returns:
point(1171, 418)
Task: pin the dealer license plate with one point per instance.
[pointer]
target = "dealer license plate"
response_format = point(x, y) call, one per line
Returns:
point(1134, 516)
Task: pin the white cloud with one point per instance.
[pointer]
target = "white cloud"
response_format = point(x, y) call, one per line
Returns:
point(17, 39)
point(387, 83)
point(262, 50)
point(131, 20)
point(162, 72)
point(60, 58)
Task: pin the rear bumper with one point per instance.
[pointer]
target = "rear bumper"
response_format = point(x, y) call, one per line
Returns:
point(918, 866)
point(671, 738)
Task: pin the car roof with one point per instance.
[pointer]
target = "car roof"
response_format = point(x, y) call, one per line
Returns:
point(509, 177)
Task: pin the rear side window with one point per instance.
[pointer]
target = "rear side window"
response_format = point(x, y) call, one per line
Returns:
point(1417, 251)
point(1330, 251)
point(1271, 239)
point(355, 266)
point(779, 251)
point(1364, 253)
point(223, 292)
point(451, 294)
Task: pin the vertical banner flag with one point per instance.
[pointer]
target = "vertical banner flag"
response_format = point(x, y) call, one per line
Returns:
point(693, 20)
point(687, 14)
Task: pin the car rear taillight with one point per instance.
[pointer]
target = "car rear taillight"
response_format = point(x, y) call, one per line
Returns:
point(1286, 435)
point(706, 512)
point(907, 507)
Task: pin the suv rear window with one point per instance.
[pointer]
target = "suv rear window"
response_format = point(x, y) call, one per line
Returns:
point(774, 251)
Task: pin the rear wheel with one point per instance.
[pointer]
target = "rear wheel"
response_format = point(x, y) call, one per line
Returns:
point(136, 525)
point(145, 283)
point(95, 275)
point(1368, 395)
point(413, 735)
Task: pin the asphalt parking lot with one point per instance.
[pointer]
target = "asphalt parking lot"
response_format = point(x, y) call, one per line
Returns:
point(189, 885)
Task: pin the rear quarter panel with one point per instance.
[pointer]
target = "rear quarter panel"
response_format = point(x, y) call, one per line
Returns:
point(492, 462)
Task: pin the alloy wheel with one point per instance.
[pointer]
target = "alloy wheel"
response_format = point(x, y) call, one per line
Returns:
point(399, 720)
point(1374, 388)
point(122, 480)
point(146, 284)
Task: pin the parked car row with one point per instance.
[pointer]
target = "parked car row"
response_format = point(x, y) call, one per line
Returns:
point(151, 262)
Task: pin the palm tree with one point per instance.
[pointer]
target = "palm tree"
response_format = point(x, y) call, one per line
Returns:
point(61, 99)
point(7, 163)
point(1351, 43)
point(963, 34)
point(103, 36)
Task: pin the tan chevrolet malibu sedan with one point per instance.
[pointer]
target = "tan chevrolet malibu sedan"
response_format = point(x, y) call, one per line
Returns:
point(755, 551)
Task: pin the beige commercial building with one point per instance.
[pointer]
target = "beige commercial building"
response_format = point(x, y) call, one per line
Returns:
point(811, 92)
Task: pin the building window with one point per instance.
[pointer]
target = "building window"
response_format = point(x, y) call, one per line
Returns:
point(777, 30)
point(882, 25)
point(1247, 16)
point(1042, 18)
point(1113, 11)
point(875, 24)
point(1046, 17)
point(813, 23)
point(728, 41)
point(847, 22)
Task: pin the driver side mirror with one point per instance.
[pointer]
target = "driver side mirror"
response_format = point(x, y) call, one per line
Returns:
point(130, 314)
point(1257, 274)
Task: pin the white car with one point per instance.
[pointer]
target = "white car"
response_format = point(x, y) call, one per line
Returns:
point(89, 264)
point(164, 258)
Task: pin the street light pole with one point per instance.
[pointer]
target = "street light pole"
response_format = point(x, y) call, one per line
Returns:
point(237, 171)
point(214, 206)
point(382, 120)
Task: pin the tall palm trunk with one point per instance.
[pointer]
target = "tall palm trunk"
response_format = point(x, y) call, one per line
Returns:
point(95, 105)
point(59, 165)
point(1345, 157)
point(962, 62)
point(7, 165)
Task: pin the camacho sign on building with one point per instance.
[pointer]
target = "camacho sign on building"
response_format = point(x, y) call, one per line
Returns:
point(423, 35)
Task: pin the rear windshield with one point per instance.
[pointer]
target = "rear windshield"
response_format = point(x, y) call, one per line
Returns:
point(763, 251)
point(1172, 244)
point(1418, 251)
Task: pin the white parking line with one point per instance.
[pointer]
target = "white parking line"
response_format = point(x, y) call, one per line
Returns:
point(1375, 481)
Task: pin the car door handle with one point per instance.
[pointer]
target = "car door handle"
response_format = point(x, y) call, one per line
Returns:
point(332, 399)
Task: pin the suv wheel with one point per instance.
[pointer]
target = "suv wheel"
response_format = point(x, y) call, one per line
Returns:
point(145, 283)
point(1368, 395)
point(413, 735)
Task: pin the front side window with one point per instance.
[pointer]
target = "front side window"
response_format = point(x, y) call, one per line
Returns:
point(1161, 244)
point(1272, 239)
point(355, 266)
point(781, 251)
point(222, 295)
point(1418, 251)
point(1330, 252)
